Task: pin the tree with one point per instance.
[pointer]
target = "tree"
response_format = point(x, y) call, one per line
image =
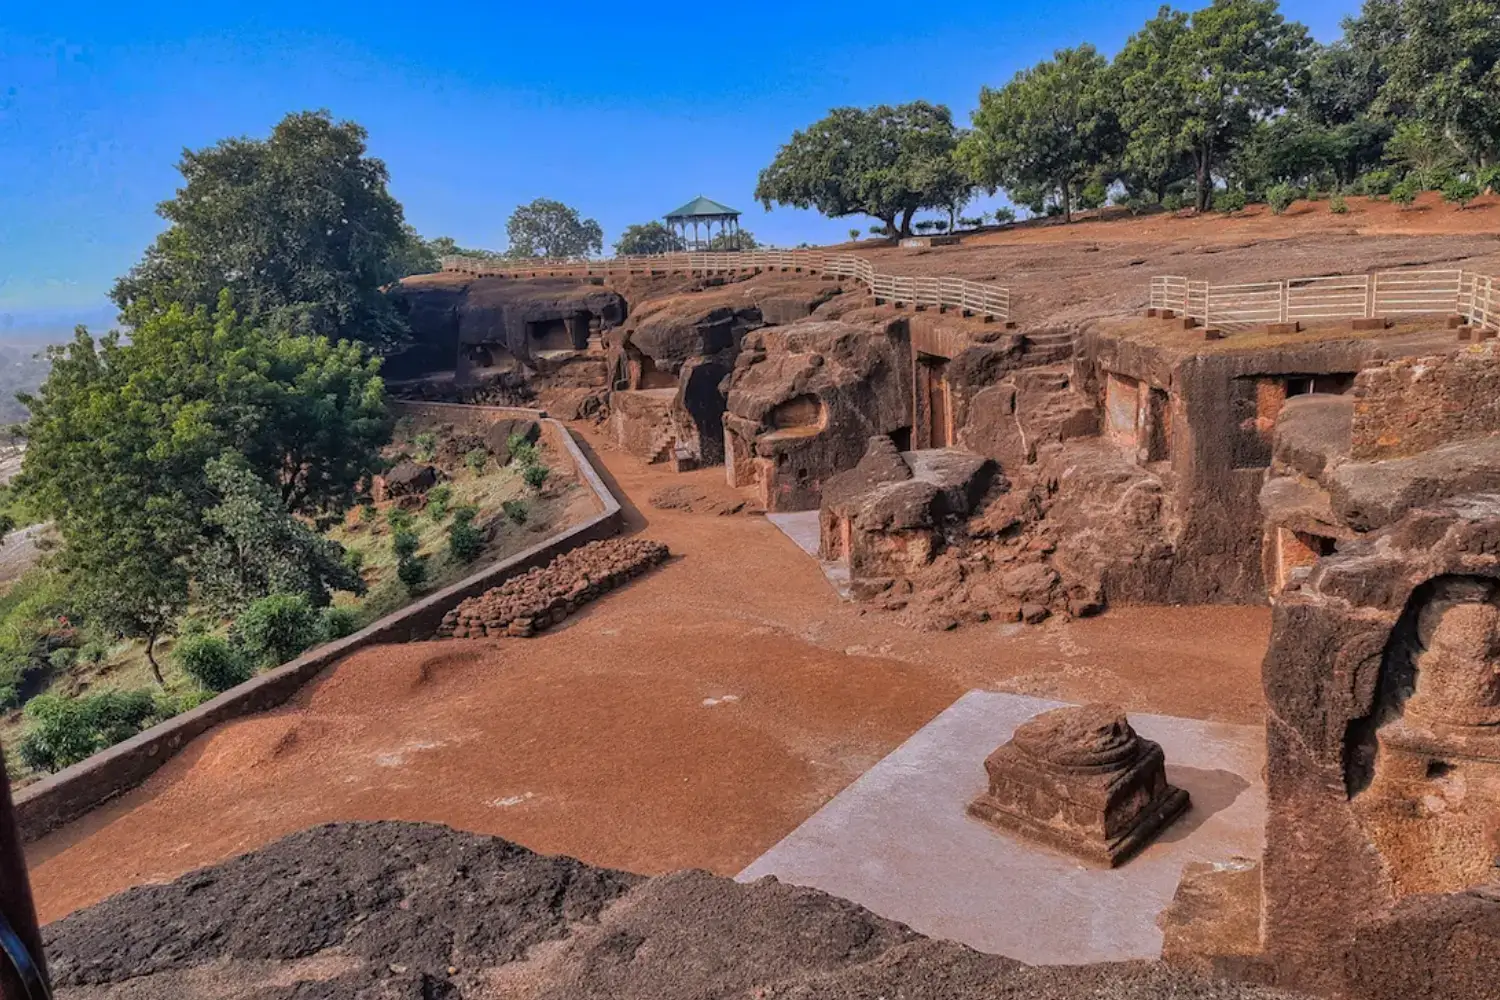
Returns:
point(1440, 61)
point(252, 547)
point(741, 240)
point(548, 228)
point(1050, 129)
point(298, 226)
point(647, 238)
point(1193, 86)
point(888, 162)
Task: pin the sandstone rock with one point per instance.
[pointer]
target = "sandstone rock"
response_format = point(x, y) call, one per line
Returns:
point(1032, 581)
point(1313, 432)
point(1034, 614)
point(409, 479)
point(1369, 495)
point(498, 436)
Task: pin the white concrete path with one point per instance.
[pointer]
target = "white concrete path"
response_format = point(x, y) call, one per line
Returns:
point(802, 528)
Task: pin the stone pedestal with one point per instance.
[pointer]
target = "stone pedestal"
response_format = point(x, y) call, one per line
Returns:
point(1080, 780)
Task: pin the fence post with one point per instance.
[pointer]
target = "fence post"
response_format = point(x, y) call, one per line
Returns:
point(1284, 290)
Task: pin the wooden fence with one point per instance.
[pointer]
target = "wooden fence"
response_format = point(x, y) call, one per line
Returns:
point(1382, 294)
point(940, 293)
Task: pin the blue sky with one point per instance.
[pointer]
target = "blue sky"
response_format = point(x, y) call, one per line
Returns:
point(624, 110)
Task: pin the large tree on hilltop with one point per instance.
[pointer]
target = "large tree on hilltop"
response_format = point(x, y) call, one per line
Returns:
point(1440, 62)
point(1194, 86)
point(299, 227)
point(121, 436)
point(547, 228)
point(888, 162)
point(1050, 129)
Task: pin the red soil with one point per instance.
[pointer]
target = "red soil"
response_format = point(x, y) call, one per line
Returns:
point(613, 738)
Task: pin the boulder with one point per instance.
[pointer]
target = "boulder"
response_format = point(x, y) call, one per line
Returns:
point(1369, 495)
point(498, 435)
point(1313, 432)
point(409, 479)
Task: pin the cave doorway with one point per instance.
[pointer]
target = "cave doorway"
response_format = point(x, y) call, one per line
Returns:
point(934, 403)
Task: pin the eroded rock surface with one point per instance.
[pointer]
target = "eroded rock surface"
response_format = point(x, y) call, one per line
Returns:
point(399, 911)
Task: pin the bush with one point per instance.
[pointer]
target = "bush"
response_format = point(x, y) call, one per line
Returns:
point(437, 501)
point(1172, 202)
point(93, 651)
point(405, 543)
point(1489, 178)
point(354, 559)
point(1280, 197)
point(412, 572)
point(476, 460)
point(274, 629)
point(853, 235)
point(1437, 179)
point(338, 622)
point(535, 475)
point(522, 451)
point(211, 661)
point(1376, 183)
point(1405, 192)
point(877, 231)
point(1337, 205)
point(62, 658)
point(62, 731)
point(1460, 191)
point(424, 446)
point(1094, 194)
point(1004, 216)
point(1229, 200)
point(516, 510)
point(465, 541)
point(367, 512)
point(399, 519)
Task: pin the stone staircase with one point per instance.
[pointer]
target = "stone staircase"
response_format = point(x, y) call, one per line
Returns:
point(663, 446)
point(1049, 346)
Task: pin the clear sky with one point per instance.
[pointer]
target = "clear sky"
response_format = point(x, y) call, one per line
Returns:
point(623, 110)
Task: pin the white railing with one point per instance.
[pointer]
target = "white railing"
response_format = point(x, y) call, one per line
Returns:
point(974, 297)
point(1381, 294)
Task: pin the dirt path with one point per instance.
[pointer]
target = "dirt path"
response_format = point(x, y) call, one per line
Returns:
point(690, 720)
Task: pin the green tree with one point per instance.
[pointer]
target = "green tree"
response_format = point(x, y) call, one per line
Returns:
point(275, 628)
point(647, 238)
point(298, 226)
point(740, 240)
point(1440, 62)
point(547, 228)
point(888, 162)
point(1193, 86)
point(62, 731)
point(252, 547)
point(1050, 129)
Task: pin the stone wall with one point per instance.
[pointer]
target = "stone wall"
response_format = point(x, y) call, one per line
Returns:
point(63, 797)
point(1407, 406)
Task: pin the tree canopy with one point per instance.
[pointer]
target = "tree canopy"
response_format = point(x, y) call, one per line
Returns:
point(888, 162)
point(647, 238)
point(547, 228)
point(299, 227)
point(1049, 130)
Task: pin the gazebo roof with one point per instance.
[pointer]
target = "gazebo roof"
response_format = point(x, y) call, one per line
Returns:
point(701, 207)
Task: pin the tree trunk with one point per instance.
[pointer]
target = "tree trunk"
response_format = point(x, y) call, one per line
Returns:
point(890, 226)
point(906, 223)
point(151, 658)
point(1201, 175)
point(1067, 200)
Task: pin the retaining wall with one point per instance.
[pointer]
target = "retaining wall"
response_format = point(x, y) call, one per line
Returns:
point(69, 794)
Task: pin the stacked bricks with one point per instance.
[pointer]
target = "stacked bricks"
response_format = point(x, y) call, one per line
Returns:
point(542, 597)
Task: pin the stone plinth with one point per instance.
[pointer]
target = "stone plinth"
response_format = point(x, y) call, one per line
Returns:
point(1079, 779)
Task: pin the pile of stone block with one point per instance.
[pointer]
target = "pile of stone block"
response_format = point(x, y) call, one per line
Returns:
point(544, 596)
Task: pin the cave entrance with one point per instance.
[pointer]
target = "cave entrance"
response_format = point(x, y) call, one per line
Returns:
point(934, 403)
point(549, 335)
point(653, 377)
point(1295, 550)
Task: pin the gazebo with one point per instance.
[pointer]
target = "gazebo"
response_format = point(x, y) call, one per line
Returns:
point(705, 211)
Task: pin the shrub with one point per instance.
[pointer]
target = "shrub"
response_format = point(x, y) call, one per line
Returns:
point(1280, 197)
point(424, 446)
point(1337, 205)
point(1172, 202)
point(1094, 194)
point(1489, 178)
point(535, 475)
point(1460, 191)
point(522, 451)
point(1004, 216)
point(1405, 192)
point(971, 221)
point(211, 660)
point(437, 501)
point(412, 572)
point(62, 731)
point(476, 460)
point(1229, 200)
point(853, 235)
point(354, 559)
point(1437, 179)
point(338, 622)
point(93, 651)
point(405, 543)
point(367, 512)
point(62, 658)
point(516, 510)
point(877, 231)
point(925, 226)
point(274, 629)
point(399, 519)
point(465, 541)
point(1376, 183)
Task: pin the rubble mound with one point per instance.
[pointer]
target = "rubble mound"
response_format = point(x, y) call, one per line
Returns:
point(360, 911)
point(544, 596)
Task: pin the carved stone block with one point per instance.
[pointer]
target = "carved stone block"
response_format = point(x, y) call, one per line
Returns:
point(1080, 780)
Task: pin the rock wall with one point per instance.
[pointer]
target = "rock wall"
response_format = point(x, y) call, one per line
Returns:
point(1408, 406)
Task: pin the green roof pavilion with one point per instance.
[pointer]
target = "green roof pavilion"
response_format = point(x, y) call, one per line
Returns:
point(705, 212)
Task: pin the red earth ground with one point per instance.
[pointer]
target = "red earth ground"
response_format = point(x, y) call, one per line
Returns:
point(691, 719)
